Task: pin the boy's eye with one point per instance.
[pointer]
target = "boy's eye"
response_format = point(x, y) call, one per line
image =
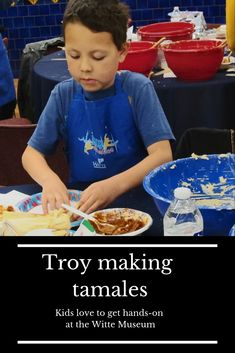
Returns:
point(74, 56)
point(98, 57)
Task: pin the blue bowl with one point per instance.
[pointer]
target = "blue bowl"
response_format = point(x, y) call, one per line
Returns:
point(201, 174)
point(30, 202)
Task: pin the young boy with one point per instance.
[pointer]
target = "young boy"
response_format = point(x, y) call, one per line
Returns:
point(114, 128)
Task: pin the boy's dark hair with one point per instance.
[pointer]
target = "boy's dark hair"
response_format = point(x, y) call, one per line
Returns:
point(100, 16)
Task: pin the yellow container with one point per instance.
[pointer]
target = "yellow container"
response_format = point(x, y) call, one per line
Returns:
point(230, 24)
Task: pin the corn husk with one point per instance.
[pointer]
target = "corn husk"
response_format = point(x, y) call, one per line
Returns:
point(20, 223)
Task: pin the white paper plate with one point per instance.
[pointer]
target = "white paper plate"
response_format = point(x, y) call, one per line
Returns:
point(140, 214)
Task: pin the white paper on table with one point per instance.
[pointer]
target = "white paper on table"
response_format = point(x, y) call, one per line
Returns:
point(231, 70)
point(12, 198)
point(129, 33)
point(168, 74)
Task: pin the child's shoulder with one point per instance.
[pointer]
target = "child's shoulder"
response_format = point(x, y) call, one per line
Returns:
point(68, 85)
point(133, 77)
point(132, 81)
point(63, 92)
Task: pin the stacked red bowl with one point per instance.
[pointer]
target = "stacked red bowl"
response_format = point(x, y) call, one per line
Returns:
point(194, 60)
point(170, 30)
point(141, 57)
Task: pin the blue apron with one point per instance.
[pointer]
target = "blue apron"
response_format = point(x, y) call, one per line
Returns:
point(102, 137)
point(7, 89)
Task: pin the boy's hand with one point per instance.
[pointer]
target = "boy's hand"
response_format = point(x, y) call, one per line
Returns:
point(54, 193)
point(99, 195)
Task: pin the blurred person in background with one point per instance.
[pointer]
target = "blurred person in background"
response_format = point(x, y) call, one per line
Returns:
point(7, 89)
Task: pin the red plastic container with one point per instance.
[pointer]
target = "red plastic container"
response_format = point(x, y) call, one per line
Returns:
point(170, 30)
point(194, 60)
point(141, 57)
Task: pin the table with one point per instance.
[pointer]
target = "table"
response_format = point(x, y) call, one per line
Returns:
point(136, 198)
point(197, 104)
point(208, 104)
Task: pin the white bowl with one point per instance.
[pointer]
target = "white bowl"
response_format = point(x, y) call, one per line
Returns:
point(130, 212)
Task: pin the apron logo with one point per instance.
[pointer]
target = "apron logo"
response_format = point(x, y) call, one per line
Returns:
point(101, 146)
point(99, 163)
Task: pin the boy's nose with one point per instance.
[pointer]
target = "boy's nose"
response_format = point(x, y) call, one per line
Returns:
point(85, 65)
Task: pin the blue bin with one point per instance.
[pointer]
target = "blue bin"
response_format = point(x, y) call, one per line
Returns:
point(194, 172)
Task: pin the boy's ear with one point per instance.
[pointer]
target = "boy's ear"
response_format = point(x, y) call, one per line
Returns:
point(124, 51)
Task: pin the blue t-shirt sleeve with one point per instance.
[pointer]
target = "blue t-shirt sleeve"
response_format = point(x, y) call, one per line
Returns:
point(52, 122)
point(148, 112)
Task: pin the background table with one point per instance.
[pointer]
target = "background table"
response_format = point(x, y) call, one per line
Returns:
point(208, 104)
point(47, 72)
point(136, 199)
point(196, 104)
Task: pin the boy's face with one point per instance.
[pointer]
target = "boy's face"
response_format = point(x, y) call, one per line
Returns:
point(92, 57)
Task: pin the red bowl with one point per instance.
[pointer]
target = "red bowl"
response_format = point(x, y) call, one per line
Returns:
point(194, 60)
point(170, 30)
point(141, 57)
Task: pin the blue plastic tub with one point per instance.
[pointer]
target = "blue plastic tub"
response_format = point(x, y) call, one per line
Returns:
point(201, 174)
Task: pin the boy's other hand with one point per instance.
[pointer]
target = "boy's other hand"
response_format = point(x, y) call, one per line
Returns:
point(98, 195)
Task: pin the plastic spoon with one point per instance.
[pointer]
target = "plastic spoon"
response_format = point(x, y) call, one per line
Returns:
point(78, 212)
point(102, 227)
